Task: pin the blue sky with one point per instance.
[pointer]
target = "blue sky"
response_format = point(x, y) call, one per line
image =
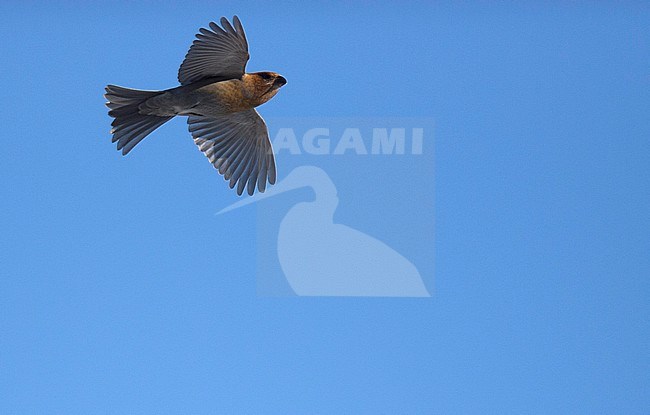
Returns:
point(122, 292)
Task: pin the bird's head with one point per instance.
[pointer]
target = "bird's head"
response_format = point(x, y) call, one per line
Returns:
point(264, 84)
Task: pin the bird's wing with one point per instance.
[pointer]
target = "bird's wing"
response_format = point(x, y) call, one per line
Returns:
point(238, 145)
point(220, 52)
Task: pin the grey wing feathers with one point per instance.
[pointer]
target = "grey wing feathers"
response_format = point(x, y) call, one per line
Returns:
point(238, 146)
point(219, 52)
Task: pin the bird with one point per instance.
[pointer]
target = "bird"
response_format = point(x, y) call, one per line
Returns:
point(219, 99)
point(322, 258)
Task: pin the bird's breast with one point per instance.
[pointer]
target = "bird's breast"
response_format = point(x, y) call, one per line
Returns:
point(222, 97)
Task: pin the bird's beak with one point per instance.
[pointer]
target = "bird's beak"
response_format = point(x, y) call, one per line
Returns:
point(289, 183)
point(241, 203)
point(279, 81)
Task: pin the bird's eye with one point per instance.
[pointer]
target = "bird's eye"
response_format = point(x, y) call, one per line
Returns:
point(265, 76)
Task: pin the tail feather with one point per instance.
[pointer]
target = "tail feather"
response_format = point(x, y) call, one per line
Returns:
point(129, 126)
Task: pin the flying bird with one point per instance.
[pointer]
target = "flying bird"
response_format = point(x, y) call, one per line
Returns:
point(219, 99)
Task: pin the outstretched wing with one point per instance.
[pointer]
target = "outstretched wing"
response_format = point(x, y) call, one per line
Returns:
point(238, 146)
point(220, 52)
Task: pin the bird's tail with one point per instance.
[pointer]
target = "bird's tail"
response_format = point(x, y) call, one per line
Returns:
point(129, 126)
